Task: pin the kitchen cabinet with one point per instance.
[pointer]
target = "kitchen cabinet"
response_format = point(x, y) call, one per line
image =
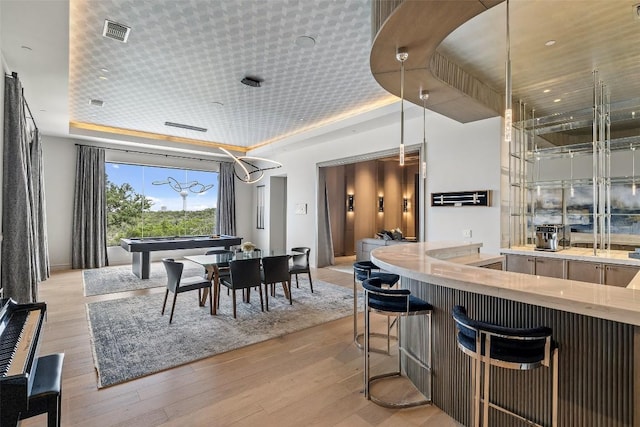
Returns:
point(619, 275)
point(584, 271)
point(541, 266)
point(521, 263)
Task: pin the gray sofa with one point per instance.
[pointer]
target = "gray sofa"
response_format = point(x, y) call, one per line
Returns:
point(365, 246)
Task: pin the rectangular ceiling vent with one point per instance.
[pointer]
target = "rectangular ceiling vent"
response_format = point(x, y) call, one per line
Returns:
point(182, 126)
point(96, 102)
point(115, 31)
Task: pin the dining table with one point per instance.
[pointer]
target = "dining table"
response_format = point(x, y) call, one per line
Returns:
point(214, 263)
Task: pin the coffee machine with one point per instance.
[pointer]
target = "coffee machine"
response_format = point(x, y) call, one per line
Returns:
point(552, 237)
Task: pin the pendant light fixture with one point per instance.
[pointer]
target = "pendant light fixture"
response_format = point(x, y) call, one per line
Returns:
point(571, 190)
point(424, 95)
point(402, 55)
point(633, 170)
point(508, 112)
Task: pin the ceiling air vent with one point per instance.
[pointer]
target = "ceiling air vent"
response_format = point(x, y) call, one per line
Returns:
point(251, 81)
point(115, 31)
point(182, 126)
point(96, 102)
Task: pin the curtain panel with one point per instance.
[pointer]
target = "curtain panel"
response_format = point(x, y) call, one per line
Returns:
point(325, 241)
point(226, 211)
point(89, 245)
point(25, 259)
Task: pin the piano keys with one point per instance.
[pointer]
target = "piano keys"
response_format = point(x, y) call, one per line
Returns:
point(20, 327)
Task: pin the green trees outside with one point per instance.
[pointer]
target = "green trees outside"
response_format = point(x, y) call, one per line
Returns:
point(129, 214)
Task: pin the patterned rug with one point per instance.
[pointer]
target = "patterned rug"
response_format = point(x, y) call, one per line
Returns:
point(131, 339)
point(119, 278)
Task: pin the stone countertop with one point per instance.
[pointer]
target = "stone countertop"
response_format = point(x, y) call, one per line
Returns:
point(418, 261)
point(577, 254)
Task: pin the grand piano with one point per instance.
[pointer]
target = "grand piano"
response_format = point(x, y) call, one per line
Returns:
point(20, 327)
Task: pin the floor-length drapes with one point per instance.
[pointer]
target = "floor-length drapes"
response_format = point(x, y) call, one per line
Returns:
point(25, 259)
point(39, 207)
point(226, 222)
point(89, 241)
point(325, 241)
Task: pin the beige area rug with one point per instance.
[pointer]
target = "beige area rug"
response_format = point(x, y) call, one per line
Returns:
point(131, 339)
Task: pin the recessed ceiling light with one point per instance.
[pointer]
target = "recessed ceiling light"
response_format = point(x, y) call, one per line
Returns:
point(251, 81)
point(104, 70)
point(305, 41)
point(103, 78)
point(557, 100)
point(26, 47)
point(550, 43)
point(217, 104)
point(43, 111)
point(546, 91)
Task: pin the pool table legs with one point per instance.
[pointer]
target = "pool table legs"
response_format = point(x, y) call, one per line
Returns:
point(140, 264)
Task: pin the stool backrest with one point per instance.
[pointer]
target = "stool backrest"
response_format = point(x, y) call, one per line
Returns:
point(393, 300)
point(362, 269)
point(524, 346)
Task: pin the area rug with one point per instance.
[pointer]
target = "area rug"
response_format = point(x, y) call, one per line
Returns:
point(119, 278)
point(131, 339)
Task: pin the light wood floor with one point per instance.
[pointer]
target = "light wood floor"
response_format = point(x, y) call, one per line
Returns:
point(312, 377)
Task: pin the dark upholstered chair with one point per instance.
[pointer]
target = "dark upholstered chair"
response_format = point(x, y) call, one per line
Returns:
point(275, 269)
point(178, 284)
point(245, 274)
point(511, 348)
point(300, 264)
point(46, 391)
point(396, 303)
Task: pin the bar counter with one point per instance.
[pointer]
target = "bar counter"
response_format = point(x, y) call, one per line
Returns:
point(596, 327)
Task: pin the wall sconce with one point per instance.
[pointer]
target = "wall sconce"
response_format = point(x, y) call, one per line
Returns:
point(380, 204)
point(350, 203)
point(405, 205)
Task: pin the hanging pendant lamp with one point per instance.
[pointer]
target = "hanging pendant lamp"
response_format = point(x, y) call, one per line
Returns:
point(402, 55)
point(424, 95)
point(508, 112)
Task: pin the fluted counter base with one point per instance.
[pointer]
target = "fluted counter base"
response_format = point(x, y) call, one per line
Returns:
point(596, 362)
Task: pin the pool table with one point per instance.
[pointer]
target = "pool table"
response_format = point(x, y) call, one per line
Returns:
point(140, 248)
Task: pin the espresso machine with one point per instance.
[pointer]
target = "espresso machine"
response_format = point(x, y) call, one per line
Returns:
point(552, 237)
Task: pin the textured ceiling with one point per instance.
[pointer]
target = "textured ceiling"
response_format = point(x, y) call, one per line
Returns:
point(184, 61)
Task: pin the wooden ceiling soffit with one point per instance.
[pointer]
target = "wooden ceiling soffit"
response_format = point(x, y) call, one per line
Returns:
point(420, 26)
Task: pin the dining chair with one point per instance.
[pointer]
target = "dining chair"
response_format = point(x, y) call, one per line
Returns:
point(223, 268)
point(275, 269)
point(245, 274)
point(300, 264)
point(178, 284)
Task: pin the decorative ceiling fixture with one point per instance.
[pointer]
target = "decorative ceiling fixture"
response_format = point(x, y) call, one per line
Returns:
point(402, 55)
point(508, 112)
point(183, 188)
point(424, 95)
point(572, 192)
point(250, 171)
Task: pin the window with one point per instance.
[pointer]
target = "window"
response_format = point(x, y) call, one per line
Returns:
point(151, 201)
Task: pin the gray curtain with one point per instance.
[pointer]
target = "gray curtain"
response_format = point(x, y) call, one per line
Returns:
point(325, 241)
point(39, 208)
point(89, 242)
point(25, 258)
point(226, 222)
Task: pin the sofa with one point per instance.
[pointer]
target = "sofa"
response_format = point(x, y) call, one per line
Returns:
point(365, 246)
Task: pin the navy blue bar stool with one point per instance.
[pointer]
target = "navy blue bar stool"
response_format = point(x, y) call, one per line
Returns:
point(363, 270)
point(511, 348)
point(396, 303)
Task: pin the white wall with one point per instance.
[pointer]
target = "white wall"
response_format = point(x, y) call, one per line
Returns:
point(461, 157)
point(465, 158)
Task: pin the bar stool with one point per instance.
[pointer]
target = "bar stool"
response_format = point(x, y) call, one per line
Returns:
point(363, 270)
point(511, 348)
point(397, 303)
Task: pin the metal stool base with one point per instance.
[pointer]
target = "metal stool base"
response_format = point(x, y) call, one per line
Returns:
point(373, 334)
point(393, 405)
